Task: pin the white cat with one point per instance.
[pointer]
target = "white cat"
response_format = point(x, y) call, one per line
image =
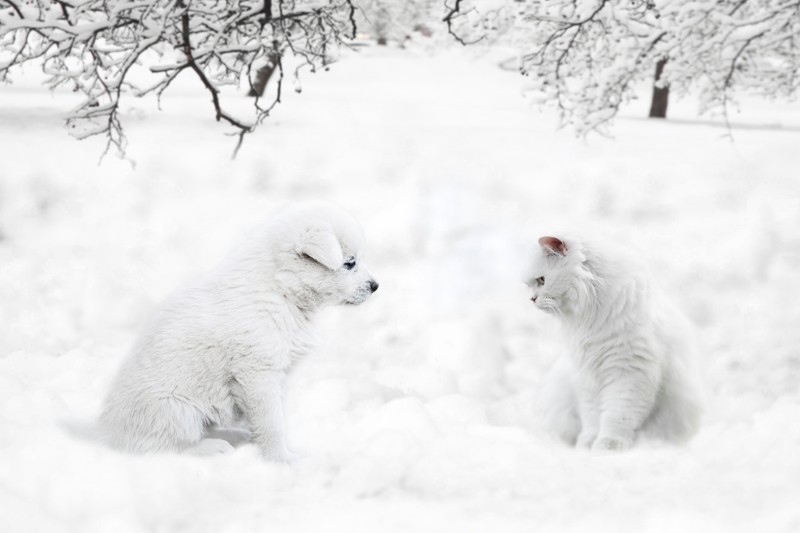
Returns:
point(631, 366)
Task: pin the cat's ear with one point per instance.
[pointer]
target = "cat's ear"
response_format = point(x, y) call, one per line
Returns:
point(553, 246)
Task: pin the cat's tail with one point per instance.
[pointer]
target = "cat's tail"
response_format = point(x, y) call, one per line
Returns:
point(679, 410)
point(83, 429)
point(557, 406)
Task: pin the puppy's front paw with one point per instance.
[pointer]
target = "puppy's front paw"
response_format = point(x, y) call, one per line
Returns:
point(210, 447)
point(281, 456)
point(611, 444)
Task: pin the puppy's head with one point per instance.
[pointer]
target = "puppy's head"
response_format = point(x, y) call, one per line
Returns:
point(325, 263)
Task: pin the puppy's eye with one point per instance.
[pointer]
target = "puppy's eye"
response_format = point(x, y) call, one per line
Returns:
point(540, 281)
point(350, 264)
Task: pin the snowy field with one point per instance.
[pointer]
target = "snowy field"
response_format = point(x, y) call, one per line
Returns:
point(417, 414)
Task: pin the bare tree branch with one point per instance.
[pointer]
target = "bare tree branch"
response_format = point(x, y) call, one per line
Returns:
point(449, 19)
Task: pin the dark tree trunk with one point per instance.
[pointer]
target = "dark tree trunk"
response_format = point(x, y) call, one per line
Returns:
point(658, 106)
point(264, 74)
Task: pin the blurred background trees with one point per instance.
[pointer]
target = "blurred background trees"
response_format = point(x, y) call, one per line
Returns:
point(396, 21)
point(381, 21)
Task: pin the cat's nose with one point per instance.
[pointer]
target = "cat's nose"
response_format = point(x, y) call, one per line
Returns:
point(533, 299)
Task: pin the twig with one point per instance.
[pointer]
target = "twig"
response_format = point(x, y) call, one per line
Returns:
point(448, 19)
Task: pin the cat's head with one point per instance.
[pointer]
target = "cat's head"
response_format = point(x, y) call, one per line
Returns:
point(560, 277)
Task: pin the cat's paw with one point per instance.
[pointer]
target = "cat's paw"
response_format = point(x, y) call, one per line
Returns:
point(585, 439)
point(611, 444)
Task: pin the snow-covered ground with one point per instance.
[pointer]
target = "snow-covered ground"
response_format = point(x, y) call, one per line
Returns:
point(417, 414)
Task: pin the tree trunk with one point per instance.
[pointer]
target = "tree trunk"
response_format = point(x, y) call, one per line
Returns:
point(658, 106)
point(263, 75)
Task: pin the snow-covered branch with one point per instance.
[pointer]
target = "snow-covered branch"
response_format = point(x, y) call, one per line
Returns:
point(96, 46)
point(586, 56)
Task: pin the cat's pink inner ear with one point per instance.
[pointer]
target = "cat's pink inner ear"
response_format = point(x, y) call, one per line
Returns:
point(553, 245)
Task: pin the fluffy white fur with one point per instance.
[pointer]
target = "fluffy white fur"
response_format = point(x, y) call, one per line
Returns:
point(217, 353)
point(631, 365)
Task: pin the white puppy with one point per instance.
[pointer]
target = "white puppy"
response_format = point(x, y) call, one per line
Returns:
point(219, 352)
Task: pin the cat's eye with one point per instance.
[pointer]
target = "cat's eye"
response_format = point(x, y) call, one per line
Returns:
point(540, 281)
point(350, 264)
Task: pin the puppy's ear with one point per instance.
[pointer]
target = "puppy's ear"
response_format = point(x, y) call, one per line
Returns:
point(321, 245)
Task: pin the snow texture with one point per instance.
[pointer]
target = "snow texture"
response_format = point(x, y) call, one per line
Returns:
point(417, 413)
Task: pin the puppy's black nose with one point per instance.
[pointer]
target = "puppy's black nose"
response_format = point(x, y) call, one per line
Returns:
point(373, 285)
